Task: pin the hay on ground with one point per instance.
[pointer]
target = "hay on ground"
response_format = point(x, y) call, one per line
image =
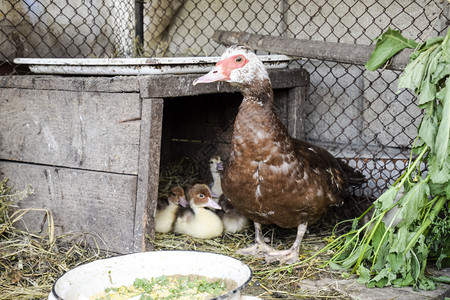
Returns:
point(30, 263)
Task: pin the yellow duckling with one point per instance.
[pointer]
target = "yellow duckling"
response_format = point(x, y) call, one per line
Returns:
point(198, 221)
point(233, 220)
point(166, 213)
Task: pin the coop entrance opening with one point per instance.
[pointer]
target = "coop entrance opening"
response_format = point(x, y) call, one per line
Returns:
point(197, 127)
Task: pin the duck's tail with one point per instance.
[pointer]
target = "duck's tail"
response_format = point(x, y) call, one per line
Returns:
point(355, 177)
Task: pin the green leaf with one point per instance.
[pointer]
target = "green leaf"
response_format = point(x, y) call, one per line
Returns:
point(439, 174)
point(415, 266)
point(443, 134)
point(381, 241)
point(397, 261)
point(428, 88)
point(378, 235)
point(403, 281)
point(336, 266)
point(446, 45)
point(386, 200)
point(441, 189)
point(401, 240)
point(381, 279)
point(382, 255)
point(442, 69)
point(415, 72)
point(426, 284)
point(413, 202)
point(364, 274)
point(387, 45)
point(351, 260)
point(442, 279)
point(431, 42)
point(428, 129)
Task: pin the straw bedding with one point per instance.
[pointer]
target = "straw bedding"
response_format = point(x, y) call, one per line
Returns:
point(30, 263)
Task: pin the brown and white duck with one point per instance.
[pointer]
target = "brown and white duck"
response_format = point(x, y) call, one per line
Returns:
point(198, 221)
point(166, 212)
point(271, 177)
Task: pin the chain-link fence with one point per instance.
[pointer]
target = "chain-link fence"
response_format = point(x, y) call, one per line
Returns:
point(357, 115)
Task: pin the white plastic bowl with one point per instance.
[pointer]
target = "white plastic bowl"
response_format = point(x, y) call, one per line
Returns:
point(92, 278)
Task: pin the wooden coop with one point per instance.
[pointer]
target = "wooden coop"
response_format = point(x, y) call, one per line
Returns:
point(91, 147)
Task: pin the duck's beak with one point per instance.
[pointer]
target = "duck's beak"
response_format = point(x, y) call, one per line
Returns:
point(216, 74)
point(183, 202)
point(212, 204)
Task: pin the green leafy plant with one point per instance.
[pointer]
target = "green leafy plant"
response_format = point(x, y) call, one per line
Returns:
point(393, 252)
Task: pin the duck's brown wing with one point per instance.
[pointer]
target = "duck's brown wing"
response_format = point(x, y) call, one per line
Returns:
point(321, 158)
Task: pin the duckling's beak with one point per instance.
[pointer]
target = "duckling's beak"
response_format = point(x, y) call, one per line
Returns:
point(219, 166)
point(183, 202)
point(212, 204)
point(216, 74)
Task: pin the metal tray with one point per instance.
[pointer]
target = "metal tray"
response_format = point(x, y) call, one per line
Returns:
point(135, 66)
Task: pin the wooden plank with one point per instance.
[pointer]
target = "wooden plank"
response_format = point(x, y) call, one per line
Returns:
point(181, 85)
point(119, 84)
point(337, 52)
point(296, 114)
point(99, 204)
point(148, 177)
point(94, 131)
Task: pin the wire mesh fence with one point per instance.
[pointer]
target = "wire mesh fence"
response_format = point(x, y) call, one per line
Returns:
point(357, 115)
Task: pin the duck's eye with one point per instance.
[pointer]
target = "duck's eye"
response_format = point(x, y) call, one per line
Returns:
point(201, 195)
point(239, 59)
point(211, 162)
point(173, 194)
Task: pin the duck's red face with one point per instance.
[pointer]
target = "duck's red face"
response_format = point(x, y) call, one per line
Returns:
point(222, 70)
point(238, 66)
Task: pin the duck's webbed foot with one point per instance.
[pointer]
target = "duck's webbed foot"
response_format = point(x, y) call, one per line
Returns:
point(260, 248)
point(288, 256)
point(283, 256)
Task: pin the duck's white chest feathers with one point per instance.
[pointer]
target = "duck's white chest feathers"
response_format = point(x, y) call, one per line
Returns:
point(202, 224)
point(235, 223)
point(216, 188)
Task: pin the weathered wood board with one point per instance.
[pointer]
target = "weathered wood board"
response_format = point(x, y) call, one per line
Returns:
point(86, 130)
point(163, 86)
point(99, 204)
point(116, 84)
point(148, 178)
point(329, 51)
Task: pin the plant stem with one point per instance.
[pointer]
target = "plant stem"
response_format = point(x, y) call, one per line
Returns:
point(426, 223)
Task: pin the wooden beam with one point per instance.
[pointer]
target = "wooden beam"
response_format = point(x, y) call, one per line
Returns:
point(163, 86)
point(337, 52)
point(148, 176)
point(296, 112)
